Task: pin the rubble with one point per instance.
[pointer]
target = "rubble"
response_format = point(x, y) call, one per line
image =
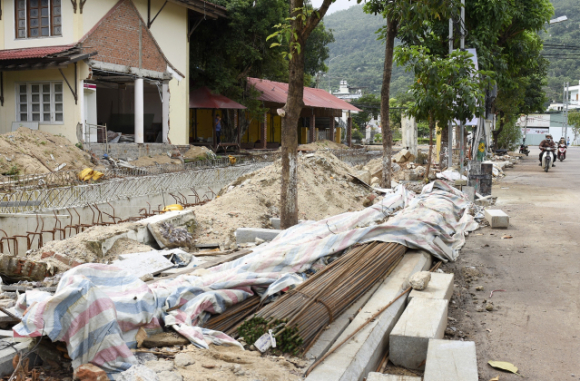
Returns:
point(27, 151)
point(322, 145)
point(419, 281)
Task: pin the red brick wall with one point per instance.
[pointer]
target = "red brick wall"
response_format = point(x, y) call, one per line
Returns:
point(116, 39)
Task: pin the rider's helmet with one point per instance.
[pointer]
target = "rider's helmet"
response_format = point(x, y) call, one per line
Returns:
point(549, 136)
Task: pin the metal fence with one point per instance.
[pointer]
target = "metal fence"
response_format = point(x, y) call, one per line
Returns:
point(34, 193)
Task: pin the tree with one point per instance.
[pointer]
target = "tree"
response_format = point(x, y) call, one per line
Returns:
point(405, 17)
point(445, 89)
point(574, 122)
point(294, 35)
point(370, 104)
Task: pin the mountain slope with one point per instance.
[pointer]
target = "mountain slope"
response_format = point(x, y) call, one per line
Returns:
point(357, 55)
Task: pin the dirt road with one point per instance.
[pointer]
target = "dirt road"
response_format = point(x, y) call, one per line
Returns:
point(535, 323)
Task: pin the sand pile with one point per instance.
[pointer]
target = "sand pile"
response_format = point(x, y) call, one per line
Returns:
point(27, 151)
point(149, 161)
point(196, 152)
point(322, 145)
point(324, 189)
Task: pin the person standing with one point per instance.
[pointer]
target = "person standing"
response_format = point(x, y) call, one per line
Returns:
point(568, 141)
point(218, 128)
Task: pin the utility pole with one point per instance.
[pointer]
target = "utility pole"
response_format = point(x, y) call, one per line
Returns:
point(566, 96)
point(462, 47)
point(450, 126)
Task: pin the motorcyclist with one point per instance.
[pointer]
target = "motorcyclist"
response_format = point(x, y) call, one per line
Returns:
point(548, 142)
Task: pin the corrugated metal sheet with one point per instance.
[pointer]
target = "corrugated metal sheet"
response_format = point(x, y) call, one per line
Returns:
point(277, 92)
point(203, 98)
point(17, 54)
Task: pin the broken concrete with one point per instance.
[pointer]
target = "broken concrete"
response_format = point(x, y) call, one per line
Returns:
point(419, 281)
point(138, 373)
point(440, 287)
point(157, 226)
point(497, 219)
point(451, 361)
point(165, 339)
point(8, 353)
point(374, 376)
point(424, 319)
point(249, 235)
point(361, 355)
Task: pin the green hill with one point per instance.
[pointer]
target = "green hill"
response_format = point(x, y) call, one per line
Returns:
point(357, 55)
point(564, 61)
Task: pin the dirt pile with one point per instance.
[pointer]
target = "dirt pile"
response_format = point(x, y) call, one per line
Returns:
point(322, 145)
point(196, 152)
point(149, 161)
point(324, 189)
point(27, 151)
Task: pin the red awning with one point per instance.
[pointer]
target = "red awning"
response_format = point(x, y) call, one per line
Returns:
point(277, 92)
point(16, 54)
point(203, 98)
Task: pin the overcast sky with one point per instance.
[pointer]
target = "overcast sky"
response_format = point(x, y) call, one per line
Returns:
point(338, 5)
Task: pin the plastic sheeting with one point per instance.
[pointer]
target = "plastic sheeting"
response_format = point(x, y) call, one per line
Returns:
point(98, 309)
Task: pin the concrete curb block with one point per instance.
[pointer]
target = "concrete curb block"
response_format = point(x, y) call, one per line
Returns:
point(450, 360)
point(249, 235)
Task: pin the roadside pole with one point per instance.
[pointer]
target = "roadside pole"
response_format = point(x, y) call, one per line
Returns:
point(565, 121)
point(450, 126)
point(462, 47)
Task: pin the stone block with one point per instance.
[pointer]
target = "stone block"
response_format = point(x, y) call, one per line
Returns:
point(497, 219)
point(450, 360)
point(440, 287)
point(443, 246)
point(245, 235)
point(390, 377)
point(423, 319)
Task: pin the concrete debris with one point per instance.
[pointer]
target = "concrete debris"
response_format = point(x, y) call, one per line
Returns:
point(160, 366)
point(420, 280)
point(16, 268)
point(142, 264)
point(364, 176)
point(403, 156)
point(170, 376)
point(138, 373)
point(183, 359)
point(165, 339)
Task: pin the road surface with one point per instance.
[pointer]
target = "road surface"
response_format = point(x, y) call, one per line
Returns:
point(535, 323)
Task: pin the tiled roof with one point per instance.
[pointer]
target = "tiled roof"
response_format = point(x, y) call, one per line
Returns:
point(17, 54)
point(277, 92)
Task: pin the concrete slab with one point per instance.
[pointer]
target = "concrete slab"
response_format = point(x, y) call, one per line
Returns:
point(245, 235)
point(497, 219)
point(443, 246)
point(374, 376)
point(440, 287)
point(450, 360)
point(179, 218)
point(139, 264)
point(10, 348)
point(423, 319)
point(362, 354)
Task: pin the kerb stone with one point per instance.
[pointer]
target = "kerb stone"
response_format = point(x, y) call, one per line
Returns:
point(450, 360)
point(497, 219)
point(440, 287)
point(423, 319)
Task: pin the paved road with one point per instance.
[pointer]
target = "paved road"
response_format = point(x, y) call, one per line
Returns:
point(536, 322)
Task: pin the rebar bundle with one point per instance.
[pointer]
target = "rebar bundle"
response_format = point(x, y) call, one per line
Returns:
point(228, 321)
point(300, 316)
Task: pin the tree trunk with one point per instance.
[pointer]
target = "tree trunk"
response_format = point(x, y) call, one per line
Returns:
point(293, 108)
point(392, 27)
point(496, 133)
point(431, 128)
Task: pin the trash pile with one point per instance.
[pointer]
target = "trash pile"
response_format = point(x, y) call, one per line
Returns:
point(105, 313)
point(27, 151)
point(324, 189)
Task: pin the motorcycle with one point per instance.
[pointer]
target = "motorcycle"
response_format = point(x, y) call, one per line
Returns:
point(562, 151)
point(524, 149)
point(547, 158)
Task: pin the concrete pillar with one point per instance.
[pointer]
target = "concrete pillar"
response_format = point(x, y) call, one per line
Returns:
point(236, 127)
point(332, 130)
point(139, 111)
point(349, 130)
point(409, 134)
point(165, 113)
point(265, 131)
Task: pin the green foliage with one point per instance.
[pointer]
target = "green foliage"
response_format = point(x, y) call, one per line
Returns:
point(510, 135)
point(440, 82)
point(562, 69)
point(287, 341)
point(357, 134)
point(316, 52)
point(378, 138)
point(370, 104)
point(574, 122)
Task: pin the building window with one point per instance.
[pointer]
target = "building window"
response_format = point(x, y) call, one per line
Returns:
point(40, 102)
point(38, 18)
